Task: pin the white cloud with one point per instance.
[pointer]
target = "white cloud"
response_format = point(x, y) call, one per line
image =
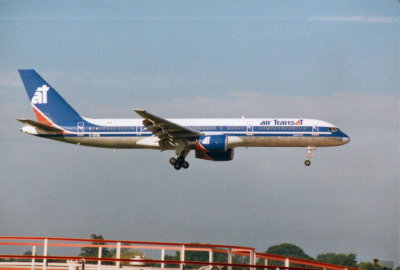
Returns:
point(357, 19)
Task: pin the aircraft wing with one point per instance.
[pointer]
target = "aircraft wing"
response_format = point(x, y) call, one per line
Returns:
point(168, 132)
point(40, 125)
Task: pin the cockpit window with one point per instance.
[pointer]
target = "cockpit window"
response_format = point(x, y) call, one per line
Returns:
point(333, 129)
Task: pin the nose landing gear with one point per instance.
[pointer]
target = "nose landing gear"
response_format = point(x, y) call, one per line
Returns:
point(309, 154)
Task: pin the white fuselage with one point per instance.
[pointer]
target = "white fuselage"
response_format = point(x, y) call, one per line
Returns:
point(242, 132)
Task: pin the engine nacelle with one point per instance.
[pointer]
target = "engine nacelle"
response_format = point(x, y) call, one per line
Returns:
point(212, 143)
point(213, 147)
point(215, 156)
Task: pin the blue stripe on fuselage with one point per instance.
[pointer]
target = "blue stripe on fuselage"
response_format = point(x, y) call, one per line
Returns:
point(88, 127)
point(128, 132)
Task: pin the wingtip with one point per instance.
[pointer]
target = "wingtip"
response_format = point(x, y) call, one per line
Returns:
point(140, 112)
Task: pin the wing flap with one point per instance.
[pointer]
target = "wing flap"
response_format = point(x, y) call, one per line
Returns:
point(168, 132)
point(164, 123)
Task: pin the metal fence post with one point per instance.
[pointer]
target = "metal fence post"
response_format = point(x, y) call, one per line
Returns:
point(162, 258)
point(33, 259)
point(99, 256)
point(182, 257)
point(118, 263)
point(287, 263)
point(230, 258)
point(82, 264)
point(45, 246)
point(252, 259)
point(210, 256)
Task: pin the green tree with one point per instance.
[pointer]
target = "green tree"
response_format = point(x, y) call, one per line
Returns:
point(286, 249)
point(349, 260)
point(94, 251)
point(203, 256)
point(289, 250)
point(7, 260)
point(126, 254)
point(197, 256)
point(368, 266)
point(29, 253)
point(372, 266)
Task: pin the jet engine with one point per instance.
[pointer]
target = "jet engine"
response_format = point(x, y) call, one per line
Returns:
point(213, 147)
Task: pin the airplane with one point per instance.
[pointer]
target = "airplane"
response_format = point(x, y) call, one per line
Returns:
point(210, 139)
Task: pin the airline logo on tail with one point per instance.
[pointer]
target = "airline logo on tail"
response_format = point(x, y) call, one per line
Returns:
point(40, 96)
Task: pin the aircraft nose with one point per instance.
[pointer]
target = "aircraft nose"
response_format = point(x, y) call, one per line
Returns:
point(346, 139)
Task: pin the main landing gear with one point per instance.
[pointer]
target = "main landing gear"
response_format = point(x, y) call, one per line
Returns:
point(181, 152)
point(309, 154)
point(179, 163)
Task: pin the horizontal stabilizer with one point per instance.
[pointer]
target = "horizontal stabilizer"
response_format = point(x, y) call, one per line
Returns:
point(40, 125)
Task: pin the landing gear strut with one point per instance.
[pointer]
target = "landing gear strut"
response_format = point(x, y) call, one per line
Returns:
point(180, 161)
point(309, 154)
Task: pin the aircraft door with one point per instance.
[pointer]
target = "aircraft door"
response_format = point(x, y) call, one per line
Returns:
point(249, 129)
point(80, 128)
point(315, 130)
point(139, 130)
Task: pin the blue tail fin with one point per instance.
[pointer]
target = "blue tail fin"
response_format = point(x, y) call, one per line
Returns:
point(50, 108)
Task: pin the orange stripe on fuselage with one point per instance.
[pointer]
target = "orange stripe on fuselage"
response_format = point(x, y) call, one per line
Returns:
point(41, 117)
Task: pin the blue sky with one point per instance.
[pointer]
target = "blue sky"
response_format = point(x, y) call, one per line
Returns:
point(332, 60)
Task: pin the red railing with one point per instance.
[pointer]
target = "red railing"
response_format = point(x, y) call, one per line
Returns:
point(47, 242)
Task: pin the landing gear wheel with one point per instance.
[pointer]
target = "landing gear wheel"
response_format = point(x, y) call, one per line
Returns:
point(181, 152)
point(172, 161)
point(177, 166)
point(307, 162)
point(185, 165)
point(180, 160)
